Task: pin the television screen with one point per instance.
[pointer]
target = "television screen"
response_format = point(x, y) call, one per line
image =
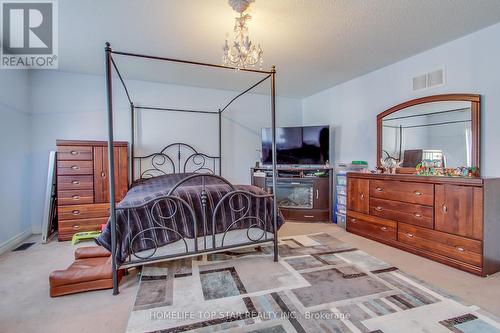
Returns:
point(297, 145)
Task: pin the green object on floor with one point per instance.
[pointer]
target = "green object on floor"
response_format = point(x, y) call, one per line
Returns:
point(81, 236)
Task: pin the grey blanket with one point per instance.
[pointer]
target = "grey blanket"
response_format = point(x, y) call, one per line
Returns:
point(144, 222)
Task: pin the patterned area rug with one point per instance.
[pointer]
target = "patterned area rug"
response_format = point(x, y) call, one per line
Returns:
point(320, 284)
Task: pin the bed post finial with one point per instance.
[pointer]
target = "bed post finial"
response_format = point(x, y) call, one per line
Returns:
point(108, 46)
point(273, 69)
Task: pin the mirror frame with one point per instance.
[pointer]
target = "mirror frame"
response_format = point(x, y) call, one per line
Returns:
point(475, 100)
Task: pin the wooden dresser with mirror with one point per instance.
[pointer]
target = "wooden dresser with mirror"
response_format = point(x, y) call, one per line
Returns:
point(452, 220)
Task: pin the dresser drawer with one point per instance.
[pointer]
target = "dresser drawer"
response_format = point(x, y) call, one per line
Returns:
point(74, 168)
point(418, 193)
point(376, 228)
point(69, 227)
point(71, 153)
point(403, 212)
point(305, 215)
point(456, 247)
point(76, 182)
point(73, 212)
point(75, 197)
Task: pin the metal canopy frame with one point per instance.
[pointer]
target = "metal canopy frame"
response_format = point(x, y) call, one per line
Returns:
point(109, 66)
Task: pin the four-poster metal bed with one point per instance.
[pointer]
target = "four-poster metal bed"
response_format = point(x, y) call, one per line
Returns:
point(244, 205)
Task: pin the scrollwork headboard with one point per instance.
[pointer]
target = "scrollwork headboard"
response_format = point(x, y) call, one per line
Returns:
point(175, 158)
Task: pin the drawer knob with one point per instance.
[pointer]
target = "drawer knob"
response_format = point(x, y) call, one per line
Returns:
point(103, 174)
point(409, 235)
point(309, 216)
point(418, 215)
point(354, 220)
point(75, 182)
point(74, 152)
point(362, 196)
point(378, 208)
point(444, 208)
point(76, 197)
point(418, 193)
point(383, 228)
point(76, 227)
point(378, 188)
point(75, 167)
point(76, 212)
point(460, 249)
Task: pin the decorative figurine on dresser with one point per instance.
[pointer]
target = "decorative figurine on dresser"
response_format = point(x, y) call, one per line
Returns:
point(83, 184)
point(435, 205)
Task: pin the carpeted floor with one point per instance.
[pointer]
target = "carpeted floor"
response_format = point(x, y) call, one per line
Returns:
point(320, 284)
point(25, 305)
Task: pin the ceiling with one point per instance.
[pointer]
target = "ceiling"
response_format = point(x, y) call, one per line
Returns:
point(314, 44)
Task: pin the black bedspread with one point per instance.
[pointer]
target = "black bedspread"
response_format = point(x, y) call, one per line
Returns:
point(160, 222)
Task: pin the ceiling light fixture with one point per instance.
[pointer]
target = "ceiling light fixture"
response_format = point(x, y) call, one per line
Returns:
point(242, 52)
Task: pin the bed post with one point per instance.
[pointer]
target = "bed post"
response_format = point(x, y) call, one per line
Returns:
point(111, 171)
point(273, 121)
point(220, 142)
point(132, 142)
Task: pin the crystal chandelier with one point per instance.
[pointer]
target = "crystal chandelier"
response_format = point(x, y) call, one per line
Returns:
point(242, 52)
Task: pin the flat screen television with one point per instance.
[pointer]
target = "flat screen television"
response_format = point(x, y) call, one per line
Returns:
point(308, 145)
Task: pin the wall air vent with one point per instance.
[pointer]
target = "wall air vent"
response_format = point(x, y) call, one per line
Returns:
point(419, 82)
point(428, 80)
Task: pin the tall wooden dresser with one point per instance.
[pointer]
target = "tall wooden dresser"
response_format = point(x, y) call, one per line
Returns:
point(83, 184)
point(455, 221)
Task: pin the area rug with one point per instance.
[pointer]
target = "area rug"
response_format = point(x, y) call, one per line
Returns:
point(320, 284)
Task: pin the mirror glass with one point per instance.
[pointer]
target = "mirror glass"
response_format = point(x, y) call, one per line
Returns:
point(429, 131)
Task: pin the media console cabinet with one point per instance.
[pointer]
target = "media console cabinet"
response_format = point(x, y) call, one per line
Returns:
point(303, 194)
point(455, 221)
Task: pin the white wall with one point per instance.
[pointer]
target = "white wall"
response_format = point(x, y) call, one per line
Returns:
point(15, 169)
point(471, 64)
point(72, 106)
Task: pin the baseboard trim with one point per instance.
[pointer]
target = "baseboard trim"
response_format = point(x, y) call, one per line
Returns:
point(14, 241)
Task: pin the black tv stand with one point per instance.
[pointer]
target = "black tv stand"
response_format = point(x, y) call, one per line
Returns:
point(304, 193)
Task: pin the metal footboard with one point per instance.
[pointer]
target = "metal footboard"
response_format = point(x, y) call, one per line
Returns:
point(237, 207)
